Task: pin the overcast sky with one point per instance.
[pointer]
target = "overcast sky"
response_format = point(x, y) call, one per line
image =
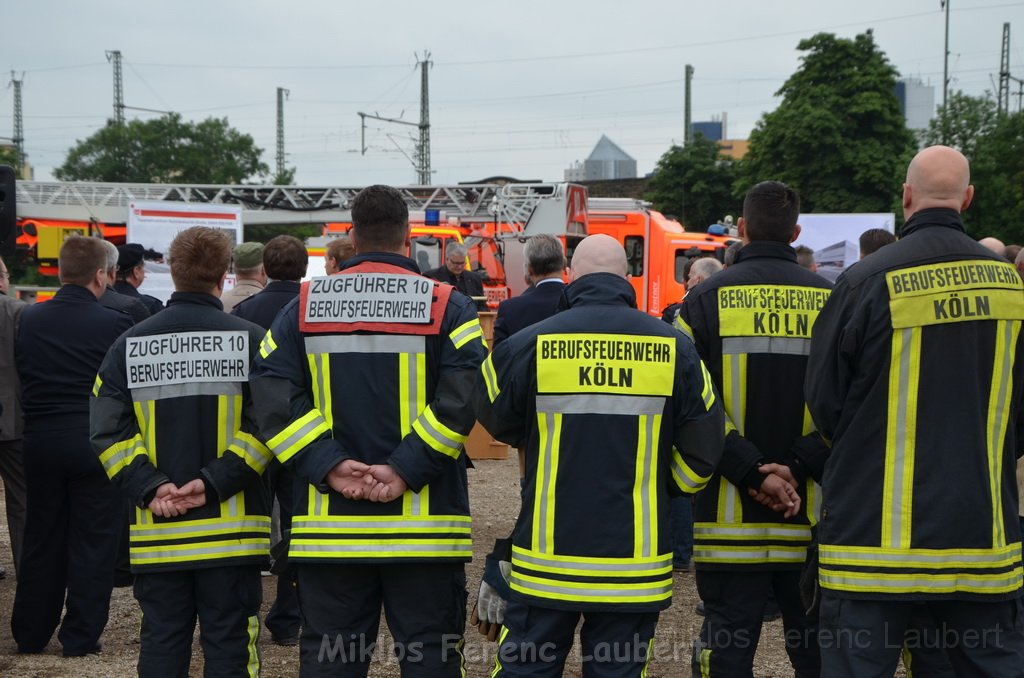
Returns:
point(517, 88)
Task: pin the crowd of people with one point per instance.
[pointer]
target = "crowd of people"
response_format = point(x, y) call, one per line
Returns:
point(844, 455)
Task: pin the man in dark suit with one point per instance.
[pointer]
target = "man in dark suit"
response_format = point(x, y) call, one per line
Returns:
point(545, 262)
point(454, 272)
point(111, 298)
point(73, 511)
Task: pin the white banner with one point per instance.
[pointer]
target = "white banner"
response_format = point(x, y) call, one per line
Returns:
point(369, 297)
point(835, 238)
point(155, 224)
point(187, 357)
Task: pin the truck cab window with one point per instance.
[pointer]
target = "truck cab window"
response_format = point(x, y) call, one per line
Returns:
point(634, 245)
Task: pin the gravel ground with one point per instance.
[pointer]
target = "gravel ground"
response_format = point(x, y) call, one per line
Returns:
point(494, 492)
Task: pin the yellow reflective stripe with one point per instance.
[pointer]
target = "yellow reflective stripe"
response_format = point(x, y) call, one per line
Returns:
point(549, 427)
point(592, 566)
point(688, 480)
point(254, 453)
point(730, 506)
point(595, 592)
point(490, 378)
point(734, 389)
point(320, 377)
point(439, 437)
point(999, 407)
point(207, 550)
point(466, 332)
point(813, 501)
point(268, 345)
point(497, 655)
point(201, 529)
point(119, 455)
point(650, 655)
point(752, 531)
point(645, 483)
point(707, 394)
point(749, 553)
point(931, 582)
point(253, 665)
point(705, 663)
point(97, 385)
point(381, 548)
point(866, 556)
point(144, 413)
point(681, 325)
point(808, 426)
point(297, 435)
point(901, 434)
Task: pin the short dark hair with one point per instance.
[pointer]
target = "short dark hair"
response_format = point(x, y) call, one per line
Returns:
point(285, 258)
point(770, 211)
point(805, 256)
point(729, 258)
point(544, 255)
point(340, 249)
point(79, 258)
point(380, 219)
point(1011, 252)
point(875, 239)
point(199, 257)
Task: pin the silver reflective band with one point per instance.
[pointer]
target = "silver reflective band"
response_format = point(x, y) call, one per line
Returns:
point(376, 547)
point(625, 566)
point(295, 438)
point(776, 345)
point(215, 388)
point(119, 458)
point(898, 457)
point(681, 475)
point(800, 531)
point(923, 582)
point(424, 421)
point(592, 403)
point(263, 456)
point(654, 590)
point(159, 530)
point(832, 554)
point(365, 343)
point(231, 549)
point(466, 334)
point(646, 509)
point(797, 555)
point(384, 523)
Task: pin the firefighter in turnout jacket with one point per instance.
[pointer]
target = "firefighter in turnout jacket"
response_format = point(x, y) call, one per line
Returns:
point(172, 422)
point(614, 410)
point(752, 324)
point(916, 377)
point(367, 377)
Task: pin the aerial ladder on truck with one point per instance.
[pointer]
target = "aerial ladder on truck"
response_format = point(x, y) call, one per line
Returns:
point(493, 219)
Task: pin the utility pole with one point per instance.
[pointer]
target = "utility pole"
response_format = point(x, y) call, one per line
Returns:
point(423, 151)
point(282, 94)
point(688, 126)
point(945, 59)
point(19, 126)
point(1003, 100)
point(115, 58)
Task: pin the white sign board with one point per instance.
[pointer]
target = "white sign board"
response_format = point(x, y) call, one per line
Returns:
point(187, 358)
point(835, 238)
point(154, 225)
point(369, 297)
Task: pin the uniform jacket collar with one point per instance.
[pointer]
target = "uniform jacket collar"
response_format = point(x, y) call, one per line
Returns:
point(766, 248)
point(200, 298)
point(936, 216)
point(382, 258)
point(600, 289)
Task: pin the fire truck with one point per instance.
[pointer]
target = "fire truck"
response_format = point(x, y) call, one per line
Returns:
point(493, 220)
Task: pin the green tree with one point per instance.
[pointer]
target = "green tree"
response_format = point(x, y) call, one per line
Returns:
point(166, 150)
point(9, 157)
point(695, 183)
point(838, 136)
point(962, 123)
point(997, 173)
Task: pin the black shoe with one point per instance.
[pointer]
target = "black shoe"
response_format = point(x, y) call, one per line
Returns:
point(95, 649)
point(3, 571)
point(286, 641)
point(700, 608)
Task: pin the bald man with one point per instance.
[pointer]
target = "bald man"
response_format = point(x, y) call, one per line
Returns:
point(916, 376)
point(994, 244)
point(615, 409)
